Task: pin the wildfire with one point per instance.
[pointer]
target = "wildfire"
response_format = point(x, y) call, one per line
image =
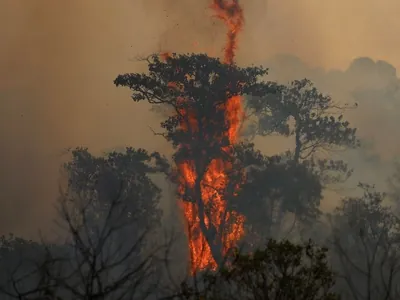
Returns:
point(215, 179)
point(232, 15)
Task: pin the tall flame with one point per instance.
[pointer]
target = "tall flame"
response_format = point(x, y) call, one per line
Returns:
point(215, 178)
point(232, 15)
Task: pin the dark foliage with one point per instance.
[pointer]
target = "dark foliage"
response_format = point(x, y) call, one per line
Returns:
point(315, 125)
point(365, 247)
point(109, 211)
point(282, 270)
point(265, 197)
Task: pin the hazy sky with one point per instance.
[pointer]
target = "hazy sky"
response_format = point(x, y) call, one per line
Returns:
point(58, 60)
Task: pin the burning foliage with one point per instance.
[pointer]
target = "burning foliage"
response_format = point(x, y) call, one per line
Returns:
point(207, 217)
point(205, 95)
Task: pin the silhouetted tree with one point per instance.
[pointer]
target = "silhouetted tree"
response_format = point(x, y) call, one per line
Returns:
point(394, 187)
point(300, 110)
point(21, 261)
point(365, 245)
point(292, 185)
point(275, 186)
point(94, 180)
point(109, 211)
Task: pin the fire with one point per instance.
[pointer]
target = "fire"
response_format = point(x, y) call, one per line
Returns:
point(232, 15)
point(215, 179)
point(165, 55)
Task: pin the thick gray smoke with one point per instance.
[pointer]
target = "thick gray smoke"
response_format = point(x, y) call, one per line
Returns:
point(58, 60)
point(375, 88)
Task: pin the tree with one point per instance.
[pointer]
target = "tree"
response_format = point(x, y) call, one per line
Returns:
point(205, 96)
point(96, 180)
point(313, 119)
point(394, 187)
point(21, 262)
point(282, 270)
point(365, 247)
point(274, 186)
point(109, 211)
point(315, 126)
point(298, 110)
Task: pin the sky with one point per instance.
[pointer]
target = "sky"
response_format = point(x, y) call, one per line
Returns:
point(58, 60)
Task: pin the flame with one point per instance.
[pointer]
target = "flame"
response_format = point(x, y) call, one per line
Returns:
point(165, 55)
point(232, 14)
point(215, 180)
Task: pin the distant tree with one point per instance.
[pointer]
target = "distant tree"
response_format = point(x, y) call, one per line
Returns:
point(276, 186)
point(292, 186)
point(19, 257)
point(199, 90)
point(365, 247)
point(281, 270)
point(98, 179)
point(23, 267)
point(109, 211)
point(300, 110)
point(315, 121)
point(394, 187)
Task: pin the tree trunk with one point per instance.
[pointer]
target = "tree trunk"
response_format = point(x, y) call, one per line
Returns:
point(210, 233)
point(298, 144)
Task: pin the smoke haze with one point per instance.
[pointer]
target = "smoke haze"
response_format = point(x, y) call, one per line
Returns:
point(58, 60)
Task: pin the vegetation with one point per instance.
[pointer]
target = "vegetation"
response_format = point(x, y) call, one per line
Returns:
point(281, 270)
point(110, 210)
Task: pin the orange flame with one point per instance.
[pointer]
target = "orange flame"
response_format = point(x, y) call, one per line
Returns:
point(214, 181)
point(232, 15)
point(215, 178)
point(165, 55)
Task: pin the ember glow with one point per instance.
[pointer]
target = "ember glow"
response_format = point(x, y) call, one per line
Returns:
point(214, 181)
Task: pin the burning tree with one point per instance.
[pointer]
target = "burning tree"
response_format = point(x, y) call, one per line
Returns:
point(205, 96)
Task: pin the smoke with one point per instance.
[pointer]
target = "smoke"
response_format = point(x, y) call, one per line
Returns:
point(374, 86)
point(58, 61)
point(57, 64)
point(327, 34)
